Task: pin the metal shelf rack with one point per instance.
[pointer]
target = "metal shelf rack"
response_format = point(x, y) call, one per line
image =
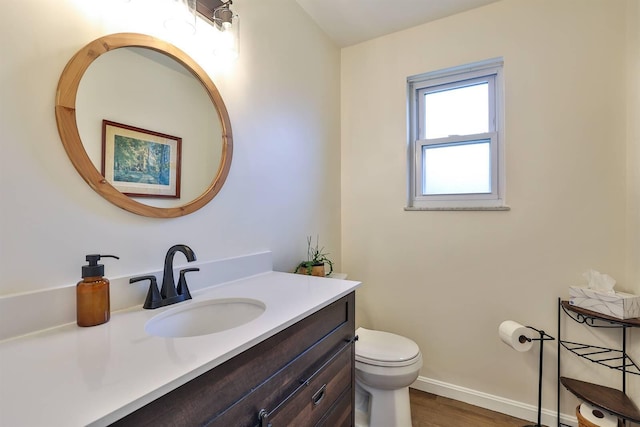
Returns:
point(611, 400)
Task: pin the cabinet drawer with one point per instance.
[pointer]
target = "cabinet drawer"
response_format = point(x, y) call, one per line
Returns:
point(316, 399)
point(286, 383)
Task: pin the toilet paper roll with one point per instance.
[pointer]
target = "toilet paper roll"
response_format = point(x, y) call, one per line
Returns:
point(511, 332)
point(597, 417)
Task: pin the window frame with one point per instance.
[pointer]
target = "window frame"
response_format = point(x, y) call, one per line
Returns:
point(436, 81)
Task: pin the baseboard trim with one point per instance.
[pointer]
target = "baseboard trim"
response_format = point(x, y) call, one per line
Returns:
point(491, 402)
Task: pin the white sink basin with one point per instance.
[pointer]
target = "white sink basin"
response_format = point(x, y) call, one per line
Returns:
point(204, 317)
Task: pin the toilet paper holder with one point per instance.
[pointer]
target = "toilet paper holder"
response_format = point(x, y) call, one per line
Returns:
point(543, 337)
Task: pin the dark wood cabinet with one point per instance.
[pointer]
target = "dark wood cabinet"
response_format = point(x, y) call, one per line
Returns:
point(302, 376)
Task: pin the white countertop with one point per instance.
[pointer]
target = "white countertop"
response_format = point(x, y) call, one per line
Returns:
point(72, 376)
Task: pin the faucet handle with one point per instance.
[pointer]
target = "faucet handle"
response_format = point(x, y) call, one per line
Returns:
point(182, 282)
point(153, 300)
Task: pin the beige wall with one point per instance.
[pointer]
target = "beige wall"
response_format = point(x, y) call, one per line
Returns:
point(633, 138)
point(447, 279)
point(283, 99)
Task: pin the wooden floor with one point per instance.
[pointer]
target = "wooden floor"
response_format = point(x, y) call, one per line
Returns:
point(429, 410)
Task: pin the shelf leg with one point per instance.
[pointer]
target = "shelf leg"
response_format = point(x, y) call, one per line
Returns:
point(539, 382)
point(558, 374)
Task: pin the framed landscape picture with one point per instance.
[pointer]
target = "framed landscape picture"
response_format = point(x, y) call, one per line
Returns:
point(140, 162)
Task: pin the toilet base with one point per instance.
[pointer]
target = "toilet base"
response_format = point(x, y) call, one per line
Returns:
point(382, 408)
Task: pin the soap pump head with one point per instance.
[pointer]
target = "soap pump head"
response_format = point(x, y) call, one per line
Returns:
point(94, 269)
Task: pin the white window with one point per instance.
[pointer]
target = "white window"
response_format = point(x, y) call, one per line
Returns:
point(456, 154)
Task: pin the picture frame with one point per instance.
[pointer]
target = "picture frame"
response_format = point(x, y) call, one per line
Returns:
point(140, 162)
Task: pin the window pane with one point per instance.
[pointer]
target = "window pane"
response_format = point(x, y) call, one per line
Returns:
point(457, 169)
point(457, 111)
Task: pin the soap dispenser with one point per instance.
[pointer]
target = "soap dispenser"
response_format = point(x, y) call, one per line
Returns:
point(92, 293)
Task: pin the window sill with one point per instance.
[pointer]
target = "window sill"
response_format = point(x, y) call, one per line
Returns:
point(466, 208)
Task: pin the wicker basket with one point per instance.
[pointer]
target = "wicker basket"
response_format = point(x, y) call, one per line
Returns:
point(583, 422)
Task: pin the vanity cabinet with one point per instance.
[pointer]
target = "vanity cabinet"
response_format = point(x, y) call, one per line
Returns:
point(611, 400)
point(302, 376)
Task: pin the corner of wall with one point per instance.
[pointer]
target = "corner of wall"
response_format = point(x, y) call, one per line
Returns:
point(633, 145)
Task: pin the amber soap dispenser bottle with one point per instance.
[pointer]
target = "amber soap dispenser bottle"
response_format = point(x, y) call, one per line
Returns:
point(92, 293)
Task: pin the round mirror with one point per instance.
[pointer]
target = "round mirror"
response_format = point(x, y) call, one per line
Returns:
point(139, 128)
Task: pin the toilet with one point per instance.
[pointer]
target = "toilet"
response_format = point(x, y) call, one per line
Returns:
point(386, 364)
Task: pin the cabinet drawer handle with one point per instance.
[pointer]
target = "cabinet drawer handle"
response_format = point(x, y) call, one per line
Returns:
point(319, 395)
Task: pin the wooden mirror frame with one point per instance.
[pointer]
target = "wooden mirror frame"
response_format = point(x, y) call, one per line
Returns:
point(68, 129)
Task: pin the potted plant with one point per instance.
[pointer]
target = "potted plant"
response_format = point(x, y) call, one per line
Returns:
point(316, 261)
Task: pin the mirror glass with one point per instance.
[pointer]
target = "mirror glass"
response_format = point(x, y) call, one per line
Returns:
point(176, 126)
point(146, 89)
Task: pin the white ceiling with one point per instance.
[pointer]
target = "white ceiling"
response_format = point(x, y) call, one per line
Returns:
point(349, 22)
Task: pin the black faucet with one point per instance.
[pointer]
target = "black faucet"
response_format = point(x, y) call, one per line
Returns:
point(168, 289)
point(169, 293)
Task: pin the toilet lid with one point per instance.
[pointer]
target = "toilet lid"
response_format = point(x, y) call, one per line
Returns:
point(384, 348)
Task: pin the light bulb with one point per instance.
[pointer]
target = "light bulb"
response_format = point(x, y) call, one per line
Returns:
point(181, 16)
point(226, 43)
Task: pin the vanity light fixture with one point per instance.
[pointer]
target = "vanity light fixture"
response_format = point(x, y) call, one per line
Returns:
point(227, 26)
point(227, 23)
point(180, 17)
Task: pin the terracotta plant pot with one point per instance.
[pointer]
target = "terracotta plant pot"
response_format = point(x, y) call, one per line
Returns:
point(316, 270)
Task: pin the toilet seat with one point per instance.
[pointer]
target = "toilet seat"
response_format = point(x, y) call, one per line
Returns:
point(380, 348)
